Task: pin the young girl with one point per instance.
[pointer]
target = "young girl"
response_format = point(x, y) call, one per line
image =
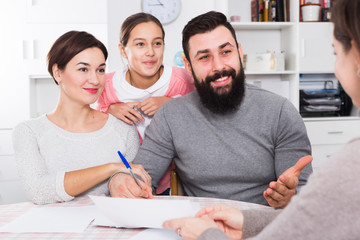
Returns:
point(73, 150)
point(135, 92)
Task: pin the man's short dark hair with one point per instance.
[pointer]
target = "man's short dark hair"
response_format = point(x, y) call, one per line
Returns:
point(204, 23)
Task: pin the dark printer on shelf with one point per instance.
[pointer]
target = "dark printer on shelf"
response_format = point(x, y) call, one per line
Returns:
point(324, 102)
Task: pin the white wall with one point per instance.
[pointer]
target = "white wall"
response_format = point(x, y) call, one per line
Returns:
point(23, 20)
point(119, 10)
point(12, 89)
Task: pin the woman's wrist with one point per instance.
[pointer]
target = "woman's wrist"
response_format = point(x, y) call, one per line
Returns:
point(115, 167)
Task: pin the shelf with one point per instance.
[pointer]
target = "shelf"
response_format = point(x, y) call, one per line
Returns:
point(316, 23)
point(40, 76)
point(321, 119)
point(271, 73)
point(262, 25)
point(44, 94)
point(317, 72)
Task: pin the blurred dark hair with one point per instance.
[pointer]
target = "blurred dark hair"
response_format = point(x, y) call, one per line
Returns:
point(345, 14)
point(70, 44)
point(204, 23)
point(132, 21)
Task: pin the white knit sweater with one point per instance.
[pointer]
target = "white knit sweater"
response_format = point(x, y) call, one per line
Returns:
point(44, 152)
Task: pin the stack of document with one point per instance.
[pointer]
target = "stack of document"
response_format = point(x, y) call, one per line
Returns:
point(135, 213)
point(111, 212)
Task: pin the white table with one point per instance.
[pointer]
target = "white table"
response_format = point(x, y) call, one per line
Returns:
point(12, 211)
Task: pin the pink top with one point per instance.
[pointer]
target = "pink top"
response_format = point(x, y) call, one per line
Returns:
point(179, 84)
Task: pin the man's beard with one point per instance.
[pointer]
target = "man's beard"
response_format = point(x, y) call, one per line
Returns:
point(222, 100)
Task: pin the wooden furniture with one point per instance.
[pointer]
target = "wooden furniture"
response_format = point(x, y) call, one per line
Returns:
point(175, 184)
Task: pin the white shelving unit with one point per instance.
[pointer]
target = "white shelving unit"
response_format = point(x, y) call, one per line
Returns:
point(308, 51)
point(262, 37)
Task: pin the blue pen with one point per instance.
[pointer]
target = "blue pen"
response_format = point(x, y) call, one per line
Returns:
point(127, 165)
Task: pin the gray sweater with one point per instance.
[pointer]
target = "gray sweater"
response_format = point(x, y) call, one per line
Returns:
point(328, 207)
point(233, 156)
point(44, 152)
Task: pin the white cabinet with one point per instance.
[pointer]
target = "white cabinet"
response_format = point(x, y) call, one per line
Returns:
point(316, 52)
point(12, 192)
point(37, 44)
point(8, 170)
point(327, 136)
point(14, 95)
point(46, 20)
point(11, 189)
point(66, 11)
point(5, 142)
point(336, 131)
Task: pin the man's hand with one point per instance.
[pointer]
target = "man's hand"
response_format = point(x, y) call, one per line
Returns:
point(124, 186)
point(126, 112)
point(150, 105)
point(279, 193)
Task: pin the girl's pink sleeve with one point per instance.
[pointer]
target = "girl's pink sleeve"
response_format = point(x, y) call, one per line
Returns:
point(181, 83)
point(108, 95)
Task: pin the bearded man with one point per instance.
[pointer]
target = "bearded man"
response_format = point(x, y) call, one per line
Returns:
point(228, 139)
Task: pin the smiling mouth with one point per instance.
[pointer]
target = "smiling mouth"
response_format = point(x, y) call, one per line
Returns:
point(149, 62)
point(91, 90)
point(221, 81)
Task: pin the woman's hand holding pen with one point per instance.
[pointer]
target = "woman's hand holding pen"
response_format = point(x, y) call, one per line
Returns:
point(139, 170)
point(123, 185)
point(126, 112)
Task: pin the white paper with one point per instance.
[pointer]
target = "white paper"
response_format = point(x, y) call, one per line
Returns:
point(102, 220)
point(52, 219)
point(149, 213)
point(156, 234)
